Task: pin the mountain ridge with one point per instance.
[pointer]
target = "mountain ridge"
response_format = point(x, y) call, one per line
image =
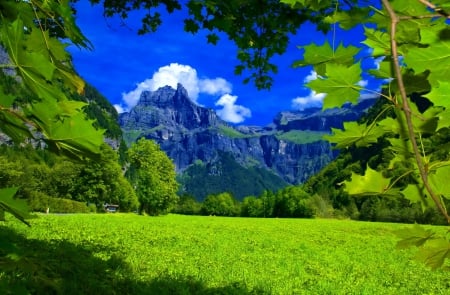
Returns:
point(191, 134)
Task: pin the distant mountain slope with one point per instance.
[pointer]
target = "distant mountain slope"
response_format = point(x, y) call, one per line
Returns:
point(290, 150)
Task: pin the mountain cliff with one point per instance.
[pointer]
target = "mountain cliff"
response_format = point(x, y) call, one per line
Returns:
point(216, 156)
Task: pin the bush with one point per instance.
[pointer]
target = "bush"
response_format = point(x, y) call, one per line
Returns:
point(39, 202)
point(187, 205)
point(221, 205)
point(321, 207)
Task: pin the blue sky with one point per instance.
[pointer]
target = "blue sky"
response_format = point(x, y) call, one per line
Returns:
point(123, 64)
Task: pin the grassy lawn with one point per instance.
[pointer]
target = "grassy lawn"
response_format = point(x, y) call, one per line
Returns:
point(131, 254)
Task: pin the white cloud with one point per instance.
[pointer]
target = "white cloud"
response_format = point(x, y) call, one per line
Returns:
point(363, 83)
point(173, 74)
point(312, 76)
point(214, 86)
point(231, 112)
point(119, 108)
point(313, 99)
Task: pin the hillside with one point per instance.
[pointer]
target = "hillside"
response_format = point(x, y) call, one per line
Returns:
point(290, 150)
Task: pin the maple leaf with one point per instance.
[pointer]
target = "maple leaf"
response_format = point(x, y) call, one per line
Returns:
point(340, 85)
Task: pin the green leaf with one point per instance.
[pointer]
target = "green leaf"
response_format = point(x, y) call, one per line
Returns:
point(440, 94)
point(444, 119)
point(67, 129)
point(434, 58)
point(348, 19)
point(413, 236)
point(384, 71)
point(439, 181)
point(14, 125)
point(320, 56)
point(371, 183)
point(16, 207)
point(434, 253)
point(379, 41)
point(6, 100)
point(415, 193)
point(340, 85)
point(212, 38)
point(354, 133)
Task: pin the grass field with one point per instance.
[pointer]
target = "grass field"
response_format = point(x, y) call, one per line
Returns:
point(131, 254)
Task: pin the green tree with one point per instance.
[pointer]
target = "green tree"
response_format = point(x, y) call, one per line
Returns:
point(153, 175)
point(252, 207)
point(102, 181)
point(222, 204)
point(35, 69)
point(292, 201)
point(187, 205)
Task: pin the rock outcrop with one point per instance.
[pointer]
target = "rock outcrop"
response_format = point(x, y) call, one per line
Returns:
point(190, 134)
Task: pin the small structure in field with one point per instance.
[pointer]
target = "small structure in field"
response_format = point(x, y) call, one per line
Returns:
point(111, 208)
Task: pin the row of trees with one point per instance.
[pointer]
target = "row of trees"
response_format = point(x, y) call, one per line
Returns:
point(46, 180)
point(295, 202)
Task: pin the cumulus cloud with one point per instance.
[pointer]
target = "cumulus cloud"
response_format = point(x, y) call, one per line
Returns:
point(312, 99)
point(171, 75)
point(231, 112)
point(312, 76)
point(214, 86)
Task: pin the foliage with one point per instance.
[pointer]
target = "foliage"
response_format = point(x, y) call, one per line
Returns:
point(98, 108)
point(409, 39)
point(187, 205)
point(222, 204)
point(252, 207)
point(39, 202)
point(260, 29)
point(153, 175)
point(38, 173)
point(225, 174)
point(127, 254)
point(36, 75)
point(292, 202)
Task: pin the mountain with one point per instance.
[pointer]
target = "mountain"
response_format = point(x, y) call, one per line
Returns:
point(212, 156)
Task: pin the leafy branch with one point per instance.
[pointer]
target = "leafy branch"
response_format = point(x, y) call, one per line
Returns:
point(407, 110)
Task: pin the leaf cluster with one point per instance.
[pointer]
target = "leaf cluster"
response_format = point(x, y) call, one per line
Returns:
point(409, 42)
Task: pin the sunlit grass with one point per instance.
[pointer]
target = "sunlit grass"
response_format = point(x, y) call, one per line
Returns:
point(244, 255)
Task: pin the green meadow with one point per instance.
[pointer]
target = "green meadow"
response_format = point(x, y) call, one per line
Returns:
point(175, 254)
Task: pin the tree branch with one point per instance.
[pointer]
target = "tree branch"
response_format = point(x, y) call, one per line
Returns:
point(407, 110)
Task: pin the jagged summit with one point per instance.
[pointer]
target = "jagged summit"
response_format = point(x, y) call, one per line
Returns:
point(165, 96)
point(168, 107)
point(202, 146)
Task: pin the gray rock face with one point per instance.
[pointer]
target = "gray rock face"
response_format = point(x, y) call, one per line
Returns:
point(188, 133)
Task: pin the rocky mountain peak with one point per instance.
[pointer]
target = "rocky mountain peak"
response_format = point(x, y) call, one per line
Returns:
point(165, 97)
point(169, 108)
point(202, 146)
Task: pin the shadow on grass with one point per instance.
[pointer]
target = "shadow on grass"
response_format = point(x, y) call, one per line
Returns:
point(58, 267)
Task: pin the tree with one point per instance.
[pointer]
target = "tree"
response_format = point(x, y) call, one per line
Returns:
point(153, 175)
point(222, 204)
point(102, 181)
point(292, 201)
point(36, 75)
point(252, 207)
